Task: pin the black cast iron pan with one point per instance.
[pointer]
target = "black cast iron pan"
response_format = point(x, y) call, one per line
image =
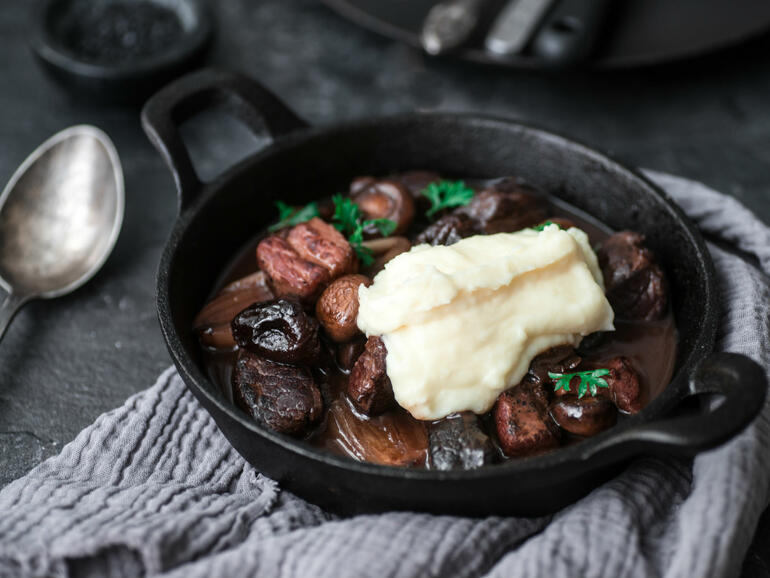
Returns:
point(304, 163)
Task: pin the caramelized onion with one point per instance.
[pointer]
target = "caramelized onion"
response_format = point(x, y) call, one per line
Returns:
point(212, 324)
point(392, 439)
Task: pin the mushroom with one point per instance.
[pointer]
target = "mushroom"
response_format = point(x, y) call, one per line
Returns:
point(337, 307)
point(385, 200)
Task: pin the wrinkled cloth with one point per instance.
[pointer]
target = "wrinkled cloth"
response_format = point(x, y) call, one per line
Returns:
point(153, 488)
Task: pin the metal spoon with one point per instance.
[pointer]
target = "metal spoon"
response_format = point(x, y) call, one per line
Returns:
point(60, 216)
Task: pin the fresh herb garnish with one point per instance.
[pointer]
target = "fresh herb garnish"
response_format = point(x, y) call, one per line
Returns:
point(289, 216)
point(589, 380)
point(446, 194)
point(545, 224)
point(349, 220)
point(346, 214)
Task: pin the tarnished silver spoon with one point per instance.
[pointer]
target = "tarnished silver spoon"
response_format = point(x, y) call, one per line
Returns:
point(60, 216)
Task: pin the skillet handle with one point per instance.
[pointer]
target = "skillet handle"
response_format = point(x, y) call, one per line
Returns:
point(245, 99)
point(741, 383)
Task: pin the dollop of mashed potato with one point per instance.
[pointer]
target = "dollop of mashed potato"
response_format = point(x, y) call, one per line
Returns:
point(462, 323)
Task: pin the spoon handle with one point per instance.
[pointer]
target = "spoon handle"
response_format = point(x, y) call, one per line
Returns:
point(11, 304)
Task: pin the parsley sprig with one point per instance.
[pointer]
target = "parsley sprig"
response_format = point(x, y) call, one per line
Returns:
point(446, 194)
point(589, 380)
point(289, 216)
point(349, 220)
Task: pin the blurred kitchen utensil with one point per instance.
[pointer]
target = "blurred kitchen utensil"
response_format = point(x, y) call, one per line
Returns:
point(60, 216)
point(571, 32)
point(450, 24)
point(639, 33)
point(515, 25)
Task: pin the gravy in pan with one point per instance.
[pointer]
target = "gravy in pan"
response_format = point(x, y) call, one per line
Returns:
point(395, 438)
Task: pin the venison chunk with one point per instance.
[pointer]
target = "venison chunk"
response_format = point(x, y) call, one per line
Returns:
point(559, 359)
point(289, 275)
point(625, 389)
point(369, 386)
point(283, 398)
point(504, 212)
point(458, 442)
point(633, 281)
point(322, 244)
point(522, 422)
point(448, 230)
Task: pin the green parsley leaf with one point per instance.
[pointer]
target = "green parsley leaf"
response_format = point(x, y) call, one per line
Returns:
point(348, 219)
point(356, 239)
point(589, 381)
point(289, 216)
point(347, 215)
point(357, 236)
point(446, 194)
point(545, 224)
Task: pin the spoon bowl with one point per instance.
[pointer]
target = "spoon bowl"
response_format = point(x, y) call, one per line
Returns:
point(60, 216)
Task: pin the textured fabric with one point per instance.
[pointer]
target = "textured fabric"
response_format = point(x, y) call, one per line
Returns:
point(153, 488)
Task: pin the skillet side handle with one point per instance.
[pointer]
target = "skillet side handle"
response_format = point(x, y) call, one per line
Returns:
point(245, 99)
point(740, 382)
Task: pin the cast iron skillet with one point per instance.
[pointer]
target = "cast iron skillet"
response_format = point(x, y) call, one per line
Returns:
point(303, 163)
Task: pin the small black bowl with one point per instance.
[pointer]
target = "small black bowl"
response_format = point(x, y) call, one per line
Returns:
point(119, 50)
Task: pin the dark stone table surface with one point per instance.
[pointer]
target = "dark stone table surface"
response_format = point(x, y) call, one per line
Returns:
point(64, 362)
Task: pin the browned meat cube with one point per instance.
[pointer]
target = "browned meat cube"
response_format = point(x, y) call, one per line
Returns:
point(624, 385)
point(505, 212)
point(284, 398)
point(633, 280)
point(522, 422)
point(458, 442)
point(586, 416)
point(369, 386)
point(323, 245)
point(448, 230)
point(290, 275)
point(559, 359)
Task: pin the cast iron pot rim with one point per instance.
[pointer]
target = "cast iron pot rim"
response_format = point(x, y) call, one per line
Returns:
point(50, 50)
point(576, 454)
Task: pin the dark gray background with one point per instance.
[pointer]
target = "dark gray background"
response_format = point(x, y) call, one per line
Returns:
point(64, 362)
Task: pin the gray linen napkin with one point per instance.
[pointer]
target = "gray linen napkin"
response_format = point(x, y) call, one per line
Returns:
point(153, 488)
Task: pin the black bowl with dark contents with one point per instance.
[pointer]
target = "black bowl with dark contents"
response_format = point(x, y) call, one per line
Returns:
point(220, 218)
point(119, 50)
